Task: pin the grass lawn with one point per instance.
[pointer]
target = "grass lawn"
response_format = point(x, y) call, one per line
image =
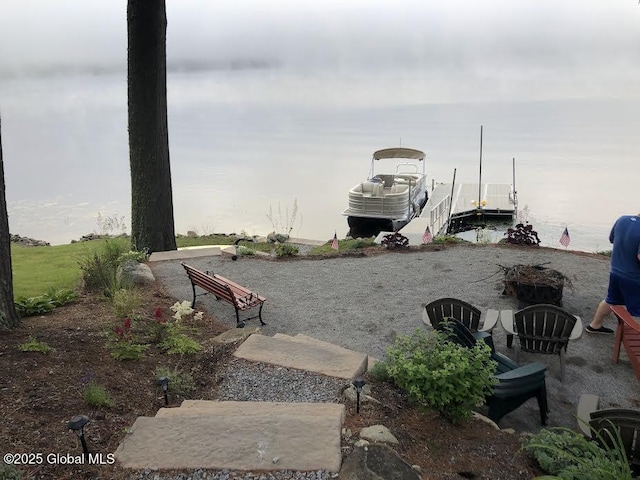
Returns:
point(36, 269)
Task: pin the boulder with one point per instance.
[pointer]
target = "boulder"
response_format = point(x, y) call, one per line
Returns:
point(274, 237)
point(27, 242)
point(234, 335)
point(376, 462)
point(135, 273)
point(378, 434)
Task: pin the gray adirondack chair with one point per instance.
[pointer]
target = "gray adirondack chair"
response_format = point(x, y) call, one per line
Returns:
point(600, 425)
point(470, 316)
point(543, 328)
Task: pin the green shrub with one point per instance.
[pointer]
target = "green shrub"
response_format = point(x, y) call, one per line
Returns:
point(380, 372)
point(440, 374)
point(28, 307)
point(33, 345)
point(124, 351)
point(99, 268)
point(9, 472)
point(446, 239)
point(96, 395)
point(175, 341)
point(126, 302)
point(122, 345)
point(60, 297)
point(245, 251)
point(180, 383)
point(286, 250)
point(571, 456)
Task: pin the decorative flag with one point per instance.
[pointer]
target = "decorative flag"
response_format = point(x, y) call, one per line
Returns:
point(334, 242)
point(427, 237)
point(564, 238)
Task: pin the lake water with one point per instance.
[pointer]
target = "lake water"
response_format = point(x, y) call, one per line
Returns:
point(244, 143)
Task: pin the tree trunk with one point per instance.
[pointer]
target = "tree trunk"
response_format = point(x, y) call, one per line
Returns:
point(8, 316)
point(152, 225)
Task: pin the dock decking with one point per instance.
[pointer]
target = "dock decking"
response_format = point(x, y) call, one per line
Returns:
point(496, 202)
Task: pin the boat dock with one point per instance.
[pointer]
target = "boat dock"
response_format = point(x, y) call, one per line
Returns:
point(448, 211)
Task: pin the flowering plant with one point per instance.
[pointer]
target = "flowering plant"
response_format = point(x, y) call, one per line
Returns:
point(170, 336)
point(124, 347)
point(182, 309)
point(123, 332)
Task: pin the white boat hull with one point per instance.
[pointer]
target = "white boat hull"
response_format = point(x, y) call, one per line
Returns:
point(386, 205)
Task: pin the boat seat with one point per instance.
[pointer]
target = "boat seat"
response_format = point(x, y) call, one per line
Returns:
point(372, 188)
point(399, 188)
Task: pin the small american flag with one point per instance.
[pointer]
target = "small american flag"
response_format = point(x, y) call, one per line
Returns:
point(427, 237)
point(334, 242)
point(564, 238)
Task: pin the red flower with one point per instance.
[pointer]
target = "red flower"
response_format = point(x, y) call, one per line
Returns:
point(159, 316)
point(126, 324)
point(119, 331)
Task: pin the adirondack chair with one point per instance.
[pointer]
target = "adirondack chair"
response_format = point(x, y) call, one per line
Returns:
point(543, 329)
point(436, 311)
point(627, 334)
point(516, 384)
point(599, 424)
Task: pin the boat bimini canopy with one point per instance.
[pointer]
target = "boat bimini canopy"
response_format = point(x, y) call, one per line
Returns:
point(399, 153)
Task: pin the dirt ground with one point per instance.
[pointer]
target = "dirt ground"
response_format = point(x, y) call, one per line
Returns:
point(39, 393)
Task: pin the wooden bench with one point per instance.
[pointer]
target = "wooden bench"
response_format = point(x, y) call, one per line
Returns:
point(627, 334)
point(224, 289)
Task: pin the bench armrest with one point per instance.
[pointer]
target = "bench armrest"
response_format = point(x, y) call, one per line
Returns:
point(576, 332)
point(534, 369)
point(490, 320)
point(506, 319)
point(586, 406)
point(625, 317)
point(425, 317)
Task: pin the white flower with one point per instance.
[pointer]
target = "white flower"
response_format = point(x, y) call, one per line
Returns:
point(198, 316)
point(181, 309)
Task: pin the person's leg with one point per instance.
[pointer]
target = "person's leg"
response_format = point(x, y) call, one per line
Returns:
point(614, 297)
point(602, 312)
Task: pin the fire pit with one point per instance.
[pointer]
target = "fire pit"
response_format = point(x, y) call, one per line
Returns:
point(534, 284)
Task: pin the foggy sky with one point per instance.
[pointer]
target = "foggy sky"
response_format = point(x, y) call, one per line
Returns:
point(542, 37)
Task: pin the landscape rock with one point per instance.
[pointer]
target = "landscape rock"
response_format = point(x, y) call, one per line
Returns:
point(234, 335)
point(378, 434)
point(274, 237)
point(350, 394)
point(28, 242)
point(376, 462)
point(136, 273)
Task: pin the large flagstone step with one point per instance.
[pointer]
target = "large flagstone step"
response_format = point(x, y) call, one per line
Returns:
point(304, 353)
point(237, 436)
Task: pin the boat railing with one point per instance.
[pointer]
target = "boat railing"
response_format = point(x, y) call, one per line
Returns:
point(440, 216)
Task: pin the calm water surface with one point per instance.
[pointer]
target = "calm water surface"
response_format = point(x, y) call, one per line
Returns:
point(246, 143)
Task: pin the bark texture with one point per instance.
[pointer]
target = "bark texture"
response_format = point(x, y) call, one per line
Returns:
point(152, 224)
point(8, 315)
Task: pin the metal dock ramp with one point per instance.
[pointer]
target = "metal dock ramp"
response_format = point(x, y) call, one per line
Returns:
point(490, 201)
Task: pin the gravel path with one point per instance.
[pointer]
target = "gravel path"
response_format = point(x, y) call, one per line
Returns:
point(363, 303)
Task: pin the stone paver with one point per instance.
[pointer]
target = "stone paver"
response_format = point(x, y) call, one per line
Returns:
point(324, 358)
point(276, 436)
point(193, 252)
point(229, 407)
